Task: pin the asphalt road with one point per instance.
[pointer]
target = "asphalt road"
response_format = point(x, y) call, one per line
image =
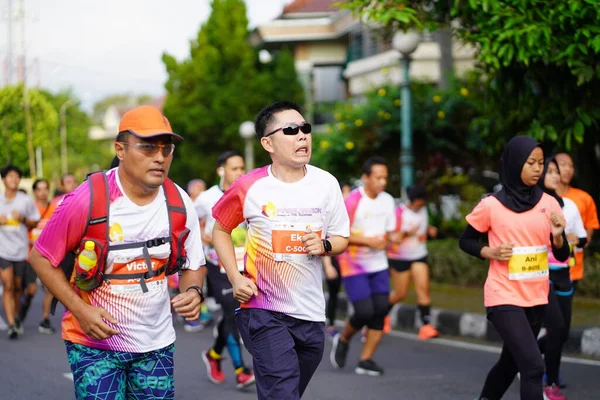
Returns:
point(35, 367)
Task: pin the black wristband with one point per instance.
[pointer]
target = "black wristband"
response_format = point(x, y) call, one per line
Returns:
point(198, 290)
point(326, 247)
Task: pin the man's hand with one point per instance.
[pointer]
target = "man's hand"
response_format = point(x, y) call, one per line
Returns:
point(187, 305)
point(243, 288)
point(330, 272)
point(313, 243)
point(93, 322)
point(2, 219)
point(412, 231)
point(377, 242)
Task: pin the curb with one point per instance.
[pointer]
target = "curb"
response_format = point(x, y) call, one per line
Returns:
point(405, 317)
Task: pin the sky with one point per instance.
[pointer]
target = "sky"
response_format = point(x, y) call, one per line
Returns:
point(103, 47)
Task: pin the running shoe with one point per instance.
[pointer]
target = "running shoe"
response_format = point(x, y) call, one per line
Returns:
point(13, 334)
point(553, 393)
point(331, 331)
point(46, 327)
point(368, 367)
point(561, 383)
point(19, 327)
point(213, 368)
point(427, 332)
point(193, 326)
point(339, 352)
point(245, 378)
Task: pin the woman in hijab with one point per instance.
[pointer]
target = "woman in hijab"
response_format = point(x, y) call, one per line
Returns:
point(521, 222)
point(560, 298)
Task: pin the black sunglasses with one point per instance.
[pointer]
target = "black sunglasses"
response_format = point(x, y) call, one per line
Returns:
point(292, 129)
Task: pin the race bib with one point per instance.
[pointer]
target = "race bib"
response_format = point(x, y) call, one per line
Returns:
point(287, 239)
point(528, 263)
point(127, 285)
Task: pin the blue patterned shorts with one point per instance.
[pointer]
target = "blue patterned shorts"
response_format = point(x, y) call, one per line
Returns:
point(117, 375)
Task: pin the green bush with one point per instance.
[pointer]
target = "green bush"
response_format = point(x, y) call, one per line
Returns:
point(450, 265)
point(589, 286)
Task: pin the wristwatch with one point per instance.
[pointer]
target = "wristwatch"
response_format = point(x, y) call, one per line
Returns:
point(197, 289)
point(326, 246)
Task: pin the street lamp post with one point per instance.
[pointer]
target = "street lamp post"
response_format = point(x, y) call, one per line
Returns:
point(406, 44)
point(247, 133)
point(63, 136)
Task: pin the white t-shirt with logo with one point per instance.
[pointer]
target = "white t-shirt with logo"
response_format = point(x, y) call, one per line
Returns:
point(412, 247)
point(368, 218)
point(204, 204)
point(289, 280)
point(14, 239)
point(144, 319)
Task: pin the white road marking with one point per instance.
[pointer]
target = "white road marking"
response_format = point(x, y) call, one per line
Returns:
point(476, 346)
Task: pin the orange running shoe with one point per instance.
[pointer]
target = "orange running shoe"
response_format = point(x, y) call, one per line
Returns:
point(387, 324)
point(428, 332)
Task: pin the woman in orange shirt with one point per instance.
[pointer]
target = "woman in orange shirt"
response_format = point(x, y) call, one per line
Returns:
point(520, 221)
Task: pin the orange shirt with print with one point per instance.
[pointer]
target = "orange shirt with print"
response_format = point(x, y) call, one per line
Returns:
point(45, 214)
point(527, 229)
point(589, 215)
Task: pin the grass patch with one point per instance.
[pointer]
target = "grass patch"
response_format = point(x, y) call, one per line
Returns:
point(586, 311)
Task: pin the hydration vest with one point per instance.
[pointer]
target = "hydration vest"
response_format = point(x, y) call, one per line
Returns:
point(97, 231)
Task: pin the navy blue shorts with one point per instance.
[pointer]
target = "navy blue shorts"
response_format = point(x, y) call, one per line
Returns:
point(360, 287)
point(286, 351)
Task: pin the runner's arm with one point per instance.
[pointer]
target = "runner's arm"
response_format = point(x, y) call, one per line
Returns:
point(54, 279)
point(206, 238)
point(359, 240)
point(191, 278)
point(225, 251)
point(590, 233)
point(338, 245)
point(471, 242)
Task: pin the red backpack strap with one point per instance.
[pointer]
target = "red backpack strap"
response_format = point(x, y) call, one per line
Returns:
point(97, 225)
point(177, 228)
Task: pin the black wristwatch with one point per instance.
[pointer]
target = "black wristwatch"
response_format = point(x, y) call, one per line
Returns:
point(199, 290)
point(326, 246)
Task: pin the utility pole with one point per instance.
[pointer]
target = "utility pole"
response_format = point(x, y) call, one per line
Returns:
point(9, 61)
point(28, 128)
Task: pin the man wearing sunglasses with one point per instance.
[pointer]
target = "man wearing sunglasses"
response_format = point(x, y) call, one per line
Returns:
point(295, 215)
point(121, 332)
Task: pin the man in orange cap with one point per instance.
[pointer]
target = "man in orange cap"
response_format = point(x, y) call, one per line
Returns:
point(120, 331)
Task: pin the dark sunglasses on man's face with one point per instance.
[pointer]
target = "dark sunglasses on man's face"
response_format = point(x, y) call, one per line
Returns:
point(292, 129)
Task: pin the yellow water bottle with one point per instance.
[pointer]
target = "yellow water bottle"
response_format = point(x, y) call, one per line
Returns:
point(86, 277)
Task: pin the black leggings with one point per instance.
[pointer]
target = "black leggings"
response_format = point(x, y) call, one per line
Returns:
point(518, 328)
point(333, 288)
point(370, 312)
point(558, 324)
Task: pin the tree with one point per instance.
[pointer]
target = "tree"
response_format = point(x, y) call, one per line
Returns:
point(218, 87)
point(44, 119)
point(538, 62)
point(540, 58)
point(372, 127)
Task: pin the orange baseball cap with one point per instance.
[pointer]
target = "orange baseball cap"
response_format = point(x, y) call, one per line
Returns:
point(146, 122)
